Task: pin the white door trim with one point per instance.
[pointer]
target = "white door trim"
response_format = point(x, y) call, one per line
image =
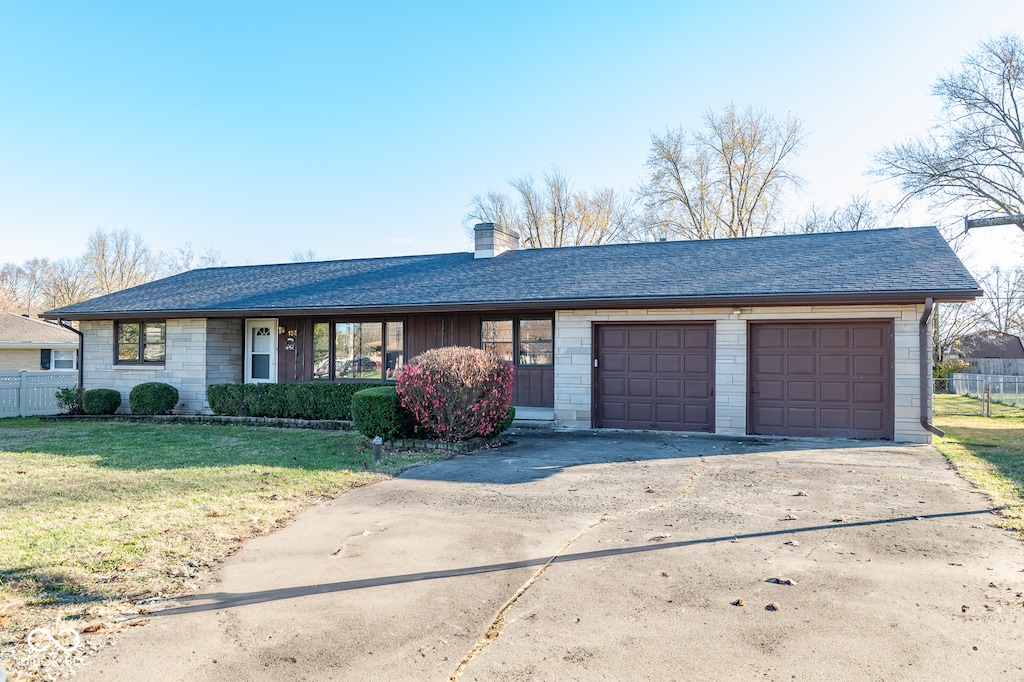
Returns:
point(261, 342)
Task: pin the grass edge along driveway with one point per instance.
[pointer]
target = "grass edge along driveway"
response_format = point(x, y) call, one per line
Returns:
point(988, 452)
point(96, 517)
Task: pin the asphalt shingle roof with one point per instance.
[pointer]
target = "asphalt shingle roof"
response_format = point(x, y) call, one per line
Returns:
point(911, 262)
point(18, 330)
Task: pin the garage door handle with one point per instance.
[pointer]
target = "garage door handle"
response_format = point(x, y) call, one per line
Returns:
point(753, 388)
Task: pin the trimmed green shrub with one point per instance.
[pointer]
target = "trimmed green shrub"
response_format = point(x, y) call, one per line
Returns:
point(456, 393)
point(379, 412)
point(153, 397)
point(314, 400)
point(69, 400)
point(506, 423)
point(101, 401)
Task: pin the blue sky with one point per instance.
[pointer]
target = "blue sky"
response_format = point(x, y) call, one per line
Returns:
point(259, 129)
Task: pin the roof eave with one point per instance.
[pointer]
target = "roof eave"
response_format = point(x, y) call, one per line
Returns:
point(804, 298)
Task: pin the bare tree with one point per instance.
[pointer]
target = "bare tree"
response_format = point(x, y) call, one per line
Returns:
point(307, 256)
point(66, 284)
point(556, 214)
point(726, 180)
point(859, 213)
point(22, 286)
point(974, 154)
point(184, 258)
point(116, 260)
point(1002, 308)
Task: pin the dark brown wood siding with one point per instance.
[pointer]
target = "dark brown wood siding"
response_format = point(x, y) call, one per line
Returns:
point(822, 379)
point(423, 332)
point(655, 376)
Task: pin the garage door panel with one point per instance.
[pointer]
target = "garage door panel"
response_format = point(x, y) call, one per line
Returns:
point(641, 339)
point(868, 365)
point(613, 362)
point(802, 390)
point(613, 387)
point(640, 412)
point(770, 364)
point(802, 337)
point(835, 364)
point(668, 363)
point(835, 338)
point(662, 377)
point(802, 364)
point(695, 416)
point(837, 378)
point(668, 413)
point(835, 419)
point(868, 392)
point(668, 388)
point(772, 390)
point(835, 391)
point(696, 364)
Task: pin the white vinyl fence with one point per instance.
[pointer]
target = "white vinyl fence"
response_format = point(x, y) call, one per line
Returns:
point(25, 394)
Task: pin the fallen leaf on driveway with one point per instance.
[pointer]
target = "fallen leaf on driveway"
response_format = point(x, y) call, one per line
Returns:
point(789, 517)
point(650, 490)
point(95, 627)
point(799, 493)
point(781, 581)
point(738, 602)
point(662, 536)
point(215, 514)
point(792, 543)
point(774, 606)
point(840, 519)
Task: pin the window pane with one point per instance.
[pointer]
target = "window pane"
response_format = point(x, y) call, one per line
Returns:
point(358, 349)
point(63, 359)
point(127, 341)
point(260, 366)
point(321, 350)
point(496, 336)
point(154, 345)
point(395, 356)
point(536, 342)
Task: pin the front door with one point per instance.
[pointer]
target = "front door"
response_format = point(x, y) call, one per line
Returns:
point(260, 351)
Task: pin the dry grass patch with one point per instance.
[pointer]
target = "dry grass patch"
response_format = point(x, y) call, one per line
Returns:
point(989, 452)
point(99, 516)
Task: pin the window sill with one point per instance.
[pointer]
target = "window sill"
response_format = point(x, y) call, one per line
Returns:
point(137, 368)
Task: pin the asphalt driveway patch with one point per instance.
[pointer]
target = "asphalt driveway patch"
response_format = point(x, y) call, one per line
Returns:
point(616, 556)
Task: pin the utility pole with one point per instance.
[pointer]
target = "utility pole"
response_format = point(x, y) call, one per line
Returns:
point(1017, 220)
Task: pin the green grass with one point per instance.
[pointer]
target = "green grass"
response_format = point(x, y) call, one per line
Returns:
point(95, 514)
point(988, 451)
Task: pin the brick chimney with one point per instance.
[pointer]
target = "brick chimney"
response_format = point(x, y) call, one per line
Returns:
point(492, 240)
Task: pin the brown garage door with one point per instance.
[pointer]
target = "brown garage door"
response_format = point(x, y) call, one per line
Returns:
point(822, 379)
point(655, 377)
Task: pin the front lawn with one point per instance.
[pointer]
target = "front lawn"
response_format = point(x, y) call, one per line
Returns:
point(98, 516)
point(989, 452)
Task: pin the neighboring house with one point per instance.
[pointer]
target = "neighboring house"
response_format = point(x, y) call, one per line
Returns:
point(33, 345)
point(991, 345)
point(804, 335)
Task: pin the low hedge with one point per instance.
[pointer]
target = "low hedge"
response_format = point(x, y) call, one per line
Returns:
point(152, 397)
point(101, 401)
point(379, 412)
point(313, 400)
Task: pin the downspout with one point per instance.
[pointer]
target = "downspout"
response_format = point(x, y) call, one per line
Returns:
point(926, 378)
point(81, 351)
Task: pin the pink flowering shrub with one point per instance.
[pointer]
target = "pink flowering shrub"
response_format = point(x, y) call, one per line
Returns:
point(456, 393)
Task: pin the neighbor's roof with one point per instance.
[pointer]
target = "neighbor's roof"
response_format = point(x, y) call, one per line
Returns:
point(19, 331)
point(907, 264)
point(989, 344)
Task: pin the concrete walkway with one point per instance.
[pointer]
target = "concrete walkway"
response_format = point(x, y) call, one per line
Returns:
point(583, 557)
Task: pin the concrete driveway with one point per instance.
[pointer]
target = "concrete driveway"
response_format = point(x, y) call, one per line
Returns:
point(616, 556)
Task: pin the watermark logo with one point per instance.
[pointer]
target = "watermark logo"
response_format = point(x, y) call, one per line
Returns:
point(41, 639)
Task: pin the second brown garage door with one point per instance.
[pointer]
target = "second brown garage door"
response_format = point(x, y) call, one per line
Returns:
point(822, 379)
point(655, 376)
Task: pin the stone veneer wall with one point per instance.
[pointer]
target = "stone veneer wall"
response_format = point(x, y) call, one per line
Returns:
point(574, 357)
point(225, 348)
point(185, 367)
